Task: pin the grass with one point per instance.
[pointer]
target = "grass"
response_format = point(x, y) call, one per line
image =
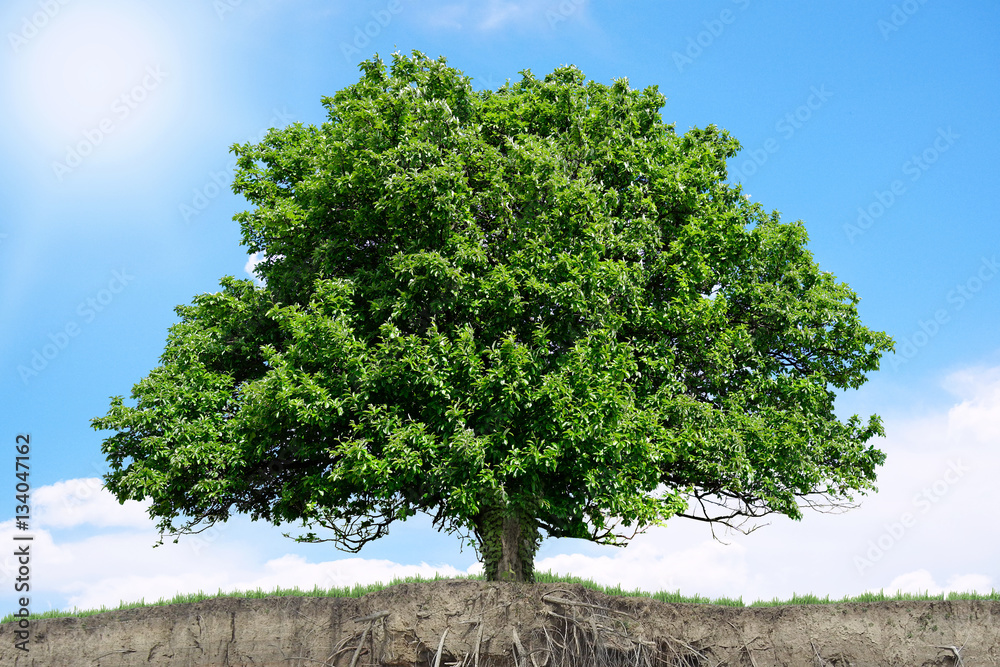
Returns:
point(358, 590)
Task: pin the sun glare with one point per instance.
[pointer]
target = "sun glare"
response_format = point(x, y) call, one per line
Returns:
point(85, 67)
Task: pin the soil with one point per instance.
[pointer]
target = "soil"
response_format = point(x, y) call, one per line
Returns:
point(472, 623)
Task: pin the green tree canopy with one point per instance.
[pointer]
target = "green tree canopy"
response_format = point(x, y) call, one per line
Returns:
point(530, 311)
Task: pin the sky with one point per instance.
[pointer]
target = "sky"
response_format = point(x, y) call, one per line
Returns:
point(873, 121)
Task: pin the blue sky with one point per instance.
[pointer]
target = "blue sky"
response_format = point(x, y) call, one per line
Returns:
point(871, 121)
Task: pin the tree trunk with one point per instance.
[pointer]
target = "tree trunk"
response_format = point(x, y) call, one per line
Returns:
point(509, 540)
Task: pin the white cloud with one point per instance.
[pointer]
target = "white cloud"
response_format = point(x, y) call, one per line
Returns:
point(251, 266)
point(938, 477)
point(976, 420)
point(649, 563)
point(77, 502)
point(292, 570)
point(218, 574)
point(921, 581)
point(105, 569)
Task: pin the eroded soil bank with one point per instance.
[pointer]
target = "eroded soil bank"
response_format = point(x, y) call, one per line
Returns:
point(493, 625)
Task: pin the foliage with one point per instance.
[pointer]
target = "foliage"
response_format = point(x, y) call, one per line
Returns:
point(535, 310)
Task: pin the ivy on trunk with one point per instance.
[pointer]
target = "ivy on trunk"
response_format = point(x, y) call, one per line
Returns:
point(508, 540)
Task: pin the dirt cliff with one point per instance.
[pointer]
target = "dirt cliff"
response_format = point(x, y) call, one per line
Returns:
point(493, 625)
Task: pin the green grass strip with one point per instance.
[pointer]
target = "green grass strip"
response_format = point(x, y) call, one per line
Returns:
point(359, 590)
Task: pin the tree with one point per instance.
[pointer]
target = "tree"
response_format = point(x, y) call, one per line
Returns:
point(523, 311)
